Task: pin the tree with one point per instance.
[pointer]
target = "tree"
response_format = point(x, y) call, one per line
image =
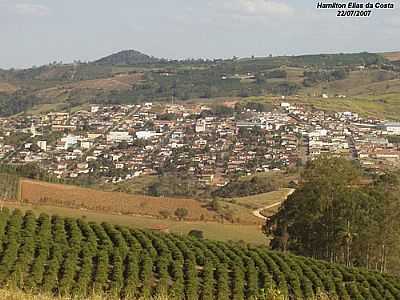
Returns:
point(172, 186)
point(165, 214)
point(222, 111)
point(215, 205)
point(247, 187)
point(198, 234)
point(334, 216)
point(181, 213)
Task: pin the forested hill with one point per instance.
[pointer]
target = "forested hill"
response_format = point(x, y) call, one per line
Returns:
point(70, 257)
point(131, 77)
point(127, 57)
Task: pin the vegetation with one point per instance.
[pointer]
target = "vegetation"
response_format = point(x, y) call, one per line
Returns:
point(312, 77)
point(15, 294)
point(172, 186)
point(70, 257)
point(133, 77)
point(34, 171)
point(339, 215)
point(249, 186)
point(181, 213)
point(248, 232)
point(128, 57)
point(15, 103)
point(9, 186)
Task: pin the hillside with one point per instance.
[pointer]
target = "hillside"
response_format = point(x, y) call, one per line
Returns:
point(42, 193)
point(71, 257)
point(392, 56)
point(132, 77)
point(127, 57)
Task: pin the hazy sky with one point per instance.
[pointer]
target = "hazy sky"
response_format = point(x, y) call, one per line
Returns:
point(35, 32)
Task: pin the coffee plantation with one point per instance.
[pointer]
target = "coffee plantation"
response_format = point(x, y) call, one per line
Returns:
point(71, 257)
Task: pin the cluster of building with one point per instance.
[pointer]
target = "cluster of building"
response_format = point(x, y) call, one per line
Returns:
point(119, 142)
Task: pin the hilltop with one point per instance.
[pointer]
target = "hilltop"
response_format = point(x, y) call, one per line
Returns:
point(127, 57)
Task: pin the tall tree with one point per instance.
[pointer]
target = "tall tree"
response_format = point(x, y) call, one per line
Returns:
point(334, 215)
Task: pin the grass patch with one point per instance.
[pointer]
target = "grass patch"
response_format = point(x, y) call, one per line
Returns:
point(262, 200)
point(384, 106)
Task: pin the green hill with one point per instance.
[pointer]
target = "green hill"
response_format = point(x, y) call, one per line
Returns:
point(127, 57)
point(58, 256)
point(129, 77)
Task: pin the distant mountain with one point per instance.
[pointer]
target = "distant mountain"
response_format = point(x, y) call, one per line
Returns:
point(127, 57)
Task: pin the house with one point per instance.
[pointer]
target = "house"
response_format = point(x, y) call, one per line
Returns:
point(70, 141)
point(42, 145)
point(200, 126)
point(119, 136)
point(392, 128)
point(145, 135)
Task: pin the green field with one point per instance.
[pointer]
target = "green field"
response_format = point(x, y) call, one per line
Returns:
point(384, 106)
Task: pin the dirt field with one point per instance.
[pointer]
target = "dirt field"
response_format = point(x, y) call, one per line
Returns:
point(392, 56)
point(7, 88)
point(35, 192)
point(115, 83)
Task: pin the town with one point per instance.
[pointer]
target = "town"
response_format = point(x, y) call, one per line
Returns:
point(210, 144)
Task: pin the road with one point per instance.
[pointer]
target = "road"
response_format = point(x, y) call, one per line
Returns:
point(257, 212)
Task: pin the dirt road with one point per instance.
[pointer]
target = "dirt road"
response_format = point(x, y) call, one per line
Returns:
point(257, 212)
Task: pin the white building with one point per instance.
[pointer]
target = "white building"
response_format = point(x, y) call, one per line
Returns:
point(70, 141)
point(145, 135)
point(86, 144)
point(318, 133)
point(119, 136)
point(285, 105)
point(200, 126)
point(393, 128)
point(42, 145)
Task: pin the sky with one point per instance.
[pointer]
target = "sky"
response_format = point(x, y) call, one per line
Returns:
point(37, 32)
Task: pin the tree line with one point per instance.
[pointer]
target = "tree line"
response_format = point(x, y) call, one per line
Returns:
point(342, 215)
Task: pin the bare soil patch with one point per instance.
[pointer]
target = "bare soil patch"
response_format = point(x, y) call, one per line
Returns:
point(43, 193)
